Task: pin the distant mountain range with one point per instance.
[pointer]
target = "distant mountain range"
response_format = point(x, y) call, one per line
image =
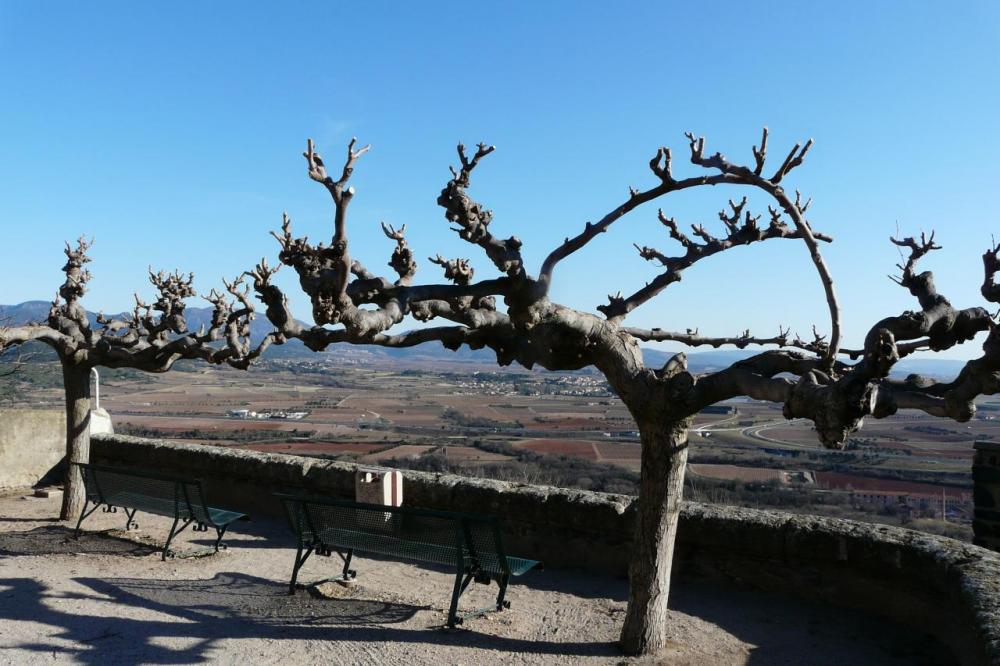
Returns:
point(704, 361)
point(24, 313)
point(38, 311)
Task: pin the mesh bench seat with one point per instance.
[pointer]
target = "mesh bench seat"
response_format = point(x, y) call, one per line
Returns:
point(471, 543)
point(134, 490)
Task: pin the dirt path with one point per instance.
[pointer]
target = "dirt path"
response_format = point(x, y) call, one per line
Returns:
point(104, 600)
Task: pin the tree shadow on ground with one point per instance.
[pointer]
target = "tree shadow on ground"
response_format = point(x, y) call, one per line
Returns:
point(201, 613)
point(786, 630)
point(574, 582)
point(14, 519)
point(58, 540)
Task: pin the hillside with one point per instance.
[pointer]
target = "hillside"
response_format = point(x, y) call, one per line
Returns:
point(698, 361)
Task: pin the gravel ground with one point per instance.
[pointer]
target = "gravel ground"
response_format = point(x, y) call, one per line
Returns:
point(108, 599)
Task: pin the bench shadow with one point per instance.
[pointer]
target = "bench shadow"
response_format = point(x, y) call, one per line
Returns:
point(255, 602)
point(252, 533)
point(58, 540)
point(572, 581)
point(230, 606)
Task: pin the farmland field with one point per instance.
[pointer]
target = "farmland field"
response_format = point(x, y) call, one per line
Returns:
point(528, 426)
point(566, 447)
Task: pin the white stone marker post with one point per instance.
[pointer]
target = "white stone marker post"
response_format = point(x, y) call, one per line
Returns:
point(379, 486)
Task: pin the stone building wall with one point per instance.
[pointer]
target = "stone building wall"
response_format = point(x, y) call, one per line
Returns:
point(32, 442)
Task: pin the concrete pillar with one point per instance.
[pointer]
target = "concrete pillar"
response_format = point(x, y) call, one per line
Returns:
point(986, 494)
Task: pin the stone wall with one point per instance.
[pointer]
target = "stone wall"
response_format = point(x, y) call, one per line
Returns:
point(935, 585)
point(986, 494)
point(32, 442)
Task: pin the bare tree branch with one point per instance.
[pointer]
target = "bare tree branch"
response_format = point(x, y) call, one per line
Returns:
point(991, 265)
point(473, 220)
point(917, 251)
point(590, 231)
point(11, 353)
point(772, 187)
point(336, 257)
point(457, 270)
point(402, 260)
point(728, 174)
point(760, 154)
point(740, 232)
point(691, 338)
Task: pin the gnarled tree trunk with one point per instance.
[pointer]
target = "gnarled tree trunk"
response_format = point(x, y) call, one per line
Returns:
point(664, 459)
point(76, 382)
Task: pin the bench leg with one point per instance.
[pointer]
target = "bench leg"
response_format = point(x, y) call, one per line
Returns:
point(300, 559)
point(453, 618)
point(348, 573)
point(461, 583)
point(173, 532)
point(221, 531)
point(83, 514)
point(501, 603)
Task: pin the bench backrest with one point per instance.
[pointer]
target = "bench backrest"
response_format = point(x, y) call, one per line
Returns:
point(183, 497)
point(444, 537)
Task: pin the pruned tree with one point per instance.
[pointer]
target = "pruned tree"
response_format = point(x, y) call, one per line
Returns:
point(152, 338)
point(814, 379)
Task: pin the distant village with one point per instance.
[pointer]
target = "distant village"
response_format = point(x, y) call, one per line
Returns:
point(250, 414)
point(504, 384)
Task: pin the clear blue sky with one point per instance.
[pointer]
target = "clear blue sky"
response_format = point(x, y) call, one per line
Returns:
point(173, 132)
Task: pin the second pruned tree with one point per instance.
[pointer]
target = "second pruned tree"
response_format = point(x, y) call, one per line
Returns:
point(151, 338)
point(835, 388)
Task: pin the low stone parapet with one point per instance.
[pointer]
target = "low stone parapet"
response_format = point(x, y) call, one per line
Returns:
point(935, 585)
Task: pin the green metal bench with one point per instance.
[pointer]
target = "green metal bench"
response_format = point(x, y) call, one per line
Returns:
point(469, 542)
point(171, 496)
